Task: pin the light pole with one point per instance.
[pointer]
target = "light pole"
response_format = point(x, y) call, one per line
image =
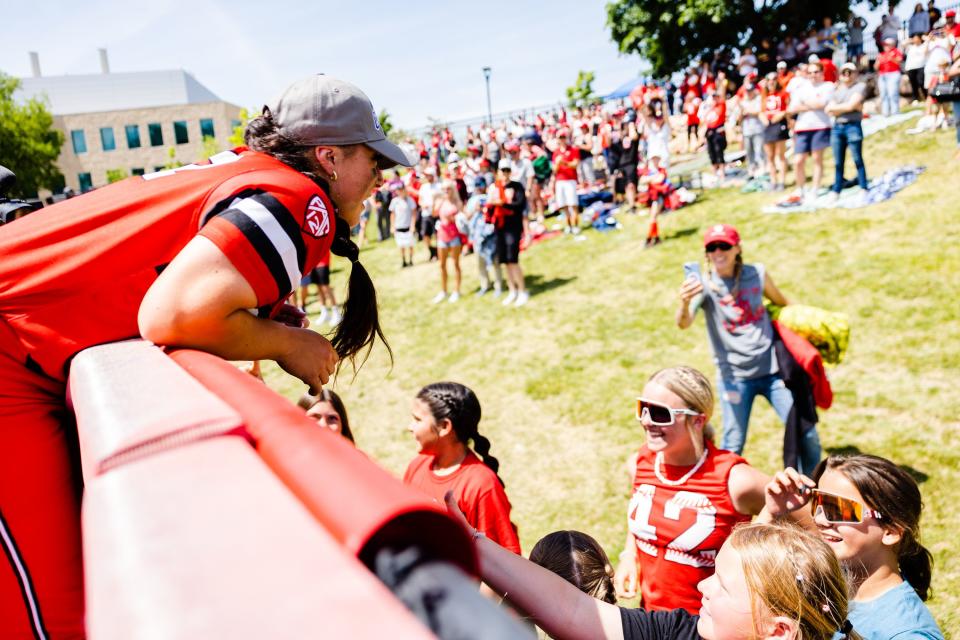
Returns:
point(486, 75)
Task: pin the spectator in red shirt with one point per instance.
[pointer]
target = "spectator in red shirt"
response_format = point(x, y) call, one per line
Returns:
point(714, 116)
point(565, 161)
point(888, 76)
point(691, 107)
point(773, 115)
point(445, 419)
point(953, 28)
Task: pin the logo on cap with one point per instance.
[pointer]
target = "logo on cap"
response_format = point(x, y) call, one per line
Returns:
point(376, 120)
point(316, 219)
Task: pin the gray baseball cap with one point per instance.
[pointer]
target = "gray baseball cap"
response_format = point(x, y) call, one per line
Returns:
point(321, 110)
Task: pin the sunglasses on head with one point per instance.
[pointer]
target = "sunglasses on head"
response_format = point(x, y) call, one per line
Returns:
point(660, 414)
point(722, 246)
point(839, 510)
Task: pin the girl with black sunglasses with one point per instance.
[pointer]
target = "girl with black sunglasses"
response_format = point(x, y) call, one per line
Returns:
point(731, 295)
point(868, 510)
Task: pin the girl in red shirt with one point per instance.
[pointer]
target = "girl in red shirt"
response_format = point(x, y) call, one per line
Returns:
point(773, 114)
point(445, 419)
point(691, 107)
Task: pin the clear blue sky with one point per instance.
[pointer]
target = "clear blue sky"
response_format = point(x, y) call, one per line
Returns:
point(416, 59)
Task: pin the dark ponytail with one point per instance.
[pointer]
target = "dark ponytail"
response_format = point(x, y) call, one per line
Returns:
point(893, 492)
point(361, 317)
point(458, 404)
point(361, 321)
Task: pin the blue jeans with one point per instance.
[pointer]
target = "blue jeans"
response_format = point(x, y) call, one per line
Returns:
point(956, 119)
point(736, 401)
point(843, 136)
point(889, 92)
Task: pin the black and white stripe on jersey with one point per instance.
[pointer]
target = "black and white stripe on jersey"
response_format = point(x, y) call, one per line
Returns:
point(274, 234)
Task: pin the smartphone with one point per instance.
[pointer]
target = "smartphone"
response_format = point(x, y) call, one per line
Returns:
point(691, 270)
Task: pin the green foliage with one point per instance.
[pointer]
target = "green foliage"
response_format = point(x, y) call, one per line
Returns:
point(581, 93)
point(210, 147)
point(236, 137)
point(671, 34)
point(172, 161)
point(385, 124)
point(116, 175)
point(29, 145)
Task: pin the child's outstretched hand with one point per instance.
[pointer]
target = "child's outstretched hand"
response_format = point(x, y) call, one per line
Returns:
point(787, 491)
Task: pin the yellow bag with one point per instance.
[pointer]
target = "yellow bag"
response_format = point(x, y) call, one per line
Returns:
point(828, 331)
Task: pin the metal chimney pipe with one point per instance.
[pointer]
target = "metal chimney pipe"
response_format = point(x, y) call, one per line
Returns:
point(35, 64)
point(104, 63)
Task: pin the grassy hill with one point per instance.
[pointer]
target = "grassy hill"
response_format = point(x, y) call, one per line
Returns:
point(557, 379)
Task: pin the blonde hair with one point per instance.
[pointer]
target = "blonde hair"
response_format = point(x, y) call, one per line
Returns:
point(792, 572)
point(696, 392)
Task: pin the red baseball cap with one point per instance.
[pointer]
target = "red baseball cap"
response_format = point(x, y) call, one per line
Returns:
point(721, 233)
point(950, 14)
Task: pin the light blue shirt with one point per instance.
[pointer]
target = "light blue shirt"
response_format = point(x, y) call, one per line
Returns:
point(899, 614)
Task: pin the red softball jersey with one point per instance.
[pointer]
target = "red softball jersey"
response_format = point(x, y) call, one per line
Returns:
point(73, 275)
point(679, 529)
point(479, 494)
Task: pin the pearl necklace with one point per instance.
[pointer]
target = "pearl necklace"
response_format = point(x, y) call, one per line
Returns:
point(676, 483)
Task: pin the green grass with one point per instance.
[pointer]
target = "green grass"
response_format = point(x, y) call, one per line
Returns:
point(557, 378)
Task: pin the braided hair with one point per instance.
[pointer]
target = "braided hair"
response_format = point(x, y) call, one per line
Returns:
point(458, 404)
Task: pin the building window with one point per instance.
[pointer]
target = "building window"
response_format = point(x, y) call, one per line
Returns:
point(79, 141)
point(206, 128)
point(180, 132)
point(156, 134)
point(137, 171)
point(234, 124)
point(133, 136)
point(106, 139)
point(86, 182)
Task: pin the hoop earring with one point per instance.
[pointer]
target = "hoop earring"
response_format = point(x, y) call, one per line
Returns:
point(333, 177)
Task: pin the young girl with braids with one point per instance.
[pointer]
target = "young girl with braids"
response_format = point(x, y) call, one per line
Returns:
point(731, 295)
point(445, 420)
point(687, 494)
point(867, 509)
point(773, 582)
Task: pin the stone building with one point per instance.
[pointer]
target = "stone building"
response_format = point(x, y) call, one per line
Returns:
point(130, 123)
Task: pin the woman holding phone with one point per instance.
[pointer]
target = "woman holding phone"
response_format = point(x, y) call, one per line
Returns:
point(731, 295)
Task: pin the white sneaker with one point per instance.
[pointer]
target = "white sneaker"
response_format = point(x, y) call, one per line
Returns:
point(335, 316)
point(439, 297)
point(324, 314)
point(522, 298)
point(497, 292)
point(831, 199)
point(454, 296)
point(510, 298)
point(576, 231)
point(481, 291)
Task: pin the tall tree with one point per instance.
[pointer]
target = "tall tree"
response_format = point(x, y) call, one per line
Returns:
point(29, 145)
point(670, 34)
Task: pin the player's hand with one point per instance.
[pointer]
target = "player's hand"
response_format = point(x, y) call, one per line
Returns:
point(626, 577)
point(787, 491)
point(691, 288)
point(312, 359)
point(292, 317)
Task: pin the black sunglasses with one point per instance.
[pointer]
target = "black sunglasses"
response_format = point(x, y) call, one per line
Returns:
point(722, 246)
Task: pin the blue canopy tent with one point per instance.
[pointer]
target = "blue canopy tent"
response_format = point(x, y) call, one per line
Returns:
point(623, 90)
